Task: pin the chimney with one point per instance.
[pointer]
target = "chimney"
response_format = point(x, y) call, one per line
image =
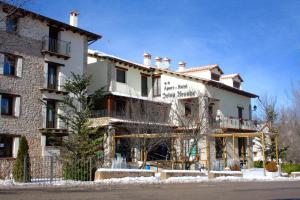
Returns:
point(181, 66)
point(147, 59)
point(158, 61)
point(74, 18)
point(167, 63)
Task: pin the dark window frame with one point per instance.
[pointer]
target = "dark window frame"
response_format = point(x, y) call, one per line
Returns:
point(52, 76)
point(144, 86)
point(11, 24)
point(10, 101)
point(156, 85)
point(215, 77)
point(236, 84)
point(119, 72)
point(187, 109)
point(10, 65)
point(7, 150)
point(219, 143)
point(120, 111)
point(51, 113)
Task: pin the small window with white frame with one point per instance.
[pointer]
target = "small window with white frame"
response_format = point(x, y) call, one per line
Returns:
point(11, 65)
point(10, 105)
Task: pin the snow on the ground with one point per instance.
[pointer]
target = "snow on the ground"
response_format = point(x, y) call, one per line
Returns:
point(249, 175)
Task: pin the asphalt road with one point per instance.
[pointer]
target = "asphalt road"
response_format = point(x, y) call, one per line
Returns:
point(215, 191)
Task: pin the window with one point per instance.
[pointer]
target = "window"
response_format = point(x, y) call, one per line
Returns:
point(236, 84)
point(242, 147)
point(11, 24)
point(156, 86)
point(187, 110)
point(120, 108)
point(144, 82)
point(6, 146)
point(52, 76)
point(215, 77)
point(6, 105)
point(53, 39)
point(219, 143)
point(121, 75)
point(51, 114)
point(53, 140)
point(9, 67)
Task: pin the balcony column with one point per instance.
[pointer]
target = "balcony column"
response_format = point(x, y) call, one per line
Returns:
point(109, 105)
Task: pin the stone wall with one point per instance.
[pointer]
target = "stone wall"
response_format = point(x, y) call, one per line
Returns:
point(27, 86)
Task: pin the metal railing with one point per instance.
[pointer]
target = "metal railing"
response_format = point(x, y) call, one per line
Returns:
point(56, 46)
point(45, 170)
point(129, 116)
point(57, 84)
point(233, 123)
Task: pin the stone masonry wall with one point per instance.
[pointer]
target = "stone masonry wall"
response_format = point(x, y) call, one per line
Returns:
point(27, 87)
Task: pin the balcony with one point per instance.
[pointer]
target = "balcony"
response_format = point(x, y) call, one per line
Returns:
point(127, 116)
point(54, 84)
point(55, 47)
point(233, 123)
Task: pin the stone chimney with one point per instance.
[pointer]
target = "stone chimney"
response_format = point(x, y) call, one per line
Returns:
point(74, 18)
point(167, 63)
point(181, 66)
point(158, 61)
point(147, 59)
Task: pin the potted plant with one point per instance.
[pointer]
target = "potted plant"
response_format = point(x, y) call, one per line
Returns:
point(272, 169)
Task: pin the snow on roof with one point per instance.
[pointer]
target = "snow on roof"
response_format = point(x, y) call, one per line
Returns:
point(232, 76)
point(102, 54)
point(202, 68)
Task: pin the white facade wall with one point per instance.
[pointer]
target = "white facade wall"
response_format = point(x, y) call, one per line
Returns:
point(229, 102)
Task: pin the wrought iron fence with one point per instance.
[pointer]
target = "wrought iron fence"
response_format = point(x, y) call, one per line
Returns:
point(51, 169)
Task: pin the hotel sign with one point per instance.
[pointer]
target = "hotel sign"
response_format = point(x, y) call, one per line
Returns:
point(177, 91)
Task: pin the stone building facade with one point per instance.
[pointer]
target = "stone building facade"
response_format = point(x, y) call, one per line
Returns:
point(37, 55)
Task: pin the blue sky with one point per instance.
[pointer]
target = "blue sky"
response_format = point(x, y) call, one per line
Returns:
point(260, 39)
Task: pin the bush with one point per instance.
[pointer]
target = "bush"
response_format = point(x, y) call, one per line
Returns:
point(235, 167)
point(19, 168)
point(271, 166)
point(259, 164)
point(288, 168)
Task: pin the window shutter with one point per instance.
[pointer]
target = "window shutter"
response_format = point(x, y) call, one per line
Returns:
point(19, 66)
point(44, 113)
point(60, 112)
point(16, 146)
point(17, 106)
point(1, 63)
point(45, 75)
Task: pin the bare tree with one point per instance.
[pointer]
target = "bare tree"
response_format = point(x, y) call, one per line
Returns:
point(13, 9)
point(147, 124)
point(289, 127)
point(192, 117)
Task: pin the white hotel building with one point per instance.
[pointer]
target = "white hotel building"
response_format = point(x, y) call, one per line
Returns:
point(227, 107)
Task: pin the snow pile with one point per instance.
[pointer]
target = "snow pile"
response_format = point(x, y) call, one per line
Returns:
point(249, 175)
